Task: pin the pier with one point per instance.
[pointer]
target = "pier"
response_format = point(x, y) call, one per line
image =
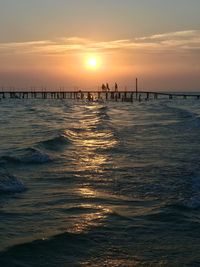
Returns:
point(115, 96)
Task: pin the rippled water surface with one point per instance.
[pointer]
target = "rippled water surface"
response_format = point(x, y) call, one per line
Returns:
point(99, 184)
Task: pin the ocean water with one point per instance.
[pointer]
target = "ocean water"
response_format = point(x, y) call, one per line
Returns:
point(99, 184)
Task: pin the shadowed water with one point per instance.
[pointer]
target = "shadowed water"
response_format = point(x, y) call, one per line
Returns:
point(99, 184)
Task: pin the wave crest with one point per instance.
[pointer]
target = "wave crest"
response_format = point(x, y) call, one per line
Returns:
point(11, 184)
point(55, 142)
point(30, 155)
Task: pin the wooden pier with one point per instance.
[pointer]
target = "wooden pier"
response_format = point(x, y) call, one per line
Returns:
point(123, 96)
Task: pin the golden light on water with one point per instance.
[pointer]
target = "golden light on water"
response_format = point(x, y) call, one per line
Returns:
point(91, 137)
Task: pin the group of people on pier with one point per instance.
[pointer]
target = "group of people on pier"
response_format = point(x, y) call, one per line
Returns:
point(106, 87)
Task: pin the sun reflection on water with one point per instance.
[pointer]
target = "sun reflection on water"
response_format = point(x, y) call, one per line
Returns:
point(91, 137)
point(93, 217)
point(87, 192)
point(87, 221)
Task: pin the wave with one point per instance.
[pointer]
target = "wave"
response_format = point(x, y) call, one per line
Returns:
point(181, 118)
point(55, 142)
point(68, 248)
point(65, 249)
point(193, 201)
point(181, 112)
point(193, 124)
point(29, 155)
point(11, 184)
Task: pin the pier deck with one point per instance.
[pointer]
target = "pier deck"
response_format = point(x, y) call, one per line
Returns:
point(124, 96)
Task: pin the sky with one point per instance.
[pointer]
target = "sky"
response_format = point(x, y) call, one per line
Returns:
point(49, 43)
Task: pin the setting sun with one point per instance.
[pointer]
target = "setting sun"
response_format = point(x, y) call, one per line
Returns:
point(92, 63)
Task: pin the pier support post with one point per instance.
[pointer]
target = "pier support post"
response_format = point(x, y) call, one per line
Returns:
point(155, 96)
point(136, 87)
point(125, 96)
point(131, 97)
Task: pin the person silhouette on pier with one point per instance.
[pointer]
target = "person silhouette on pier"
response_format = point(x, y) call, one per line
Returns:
point(103, 87)
point(116, 87)
point(107, 87)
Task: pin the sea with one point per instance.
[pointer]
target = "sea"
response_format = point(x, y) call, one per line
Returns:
point(99, 183)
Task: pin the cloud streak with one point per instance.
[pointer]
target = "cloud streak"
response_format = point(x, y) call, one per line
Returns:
point(173, 41)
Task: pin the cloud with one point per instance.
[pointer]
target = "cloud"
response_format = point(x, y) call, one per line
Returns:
point(173, 41)
point(170, 35)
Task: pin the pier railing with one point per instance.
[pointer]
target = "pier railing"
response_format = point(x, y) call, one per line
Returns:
point(123, 96)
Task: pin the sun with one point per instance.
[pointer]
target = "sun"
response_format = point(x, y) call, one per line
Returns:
point(92, 63)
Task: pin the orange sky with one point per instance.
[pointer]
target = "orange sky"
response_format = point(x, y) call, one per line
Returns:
point(163, 54)
point(166, 61)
